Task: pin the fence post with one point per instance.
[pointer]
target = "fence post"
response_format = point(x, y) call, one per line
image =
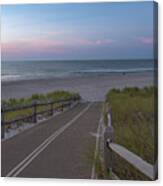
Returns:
point(108, 138)
point(35, 112)
point(62, 107)
point(2, 123)
point(155, 176)
point(51, 108)
point(70, 103)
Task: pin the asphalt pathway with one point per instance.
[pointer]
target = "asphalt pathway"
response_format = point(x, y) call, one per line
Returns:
point(61, 147)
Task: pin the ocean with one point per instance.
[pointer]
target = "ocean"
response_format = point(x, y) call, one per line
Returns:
point(22, 70)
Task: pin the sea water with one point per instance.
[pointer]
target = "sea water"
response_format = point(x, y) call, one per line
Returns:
point(22, 70)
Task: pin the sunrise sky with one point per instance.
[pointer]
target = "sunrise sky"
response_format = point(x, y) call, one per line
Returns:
point(77, 31)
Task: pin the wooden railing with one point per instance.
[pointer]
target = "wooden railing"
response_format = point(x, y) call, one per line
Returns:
point(151, 171)
point(50, 108)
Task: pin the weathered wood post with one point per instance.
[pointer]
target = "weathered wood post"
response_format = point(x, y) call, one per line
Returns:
point(2, 123)
point(70, 103)
point(35, 111)
point(62, 107)
point(155, 176)
point(108, 138)
point(51, 108)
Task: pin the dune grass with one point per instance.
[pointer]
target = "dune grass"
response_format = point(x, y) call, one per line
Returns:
point(133, 119)
point(49, 97)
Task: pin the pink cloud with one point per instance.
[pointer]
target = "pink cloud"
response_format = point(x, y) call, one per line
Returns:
point(36, 42)
point(88, 42)
point(26, 46)
point(104, 41)
point(83, 42)
point(146, 40)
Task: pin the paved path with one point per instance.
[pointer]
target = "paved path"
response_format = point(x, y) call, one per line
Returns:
point(58, 148)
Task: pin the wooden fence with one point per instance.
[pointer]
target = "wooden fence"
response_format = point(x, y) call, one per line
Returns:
point(50, 108)
point(151, 171)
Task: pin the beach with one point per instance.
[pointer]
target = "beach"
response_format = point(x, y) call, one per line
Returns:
point(91, 88)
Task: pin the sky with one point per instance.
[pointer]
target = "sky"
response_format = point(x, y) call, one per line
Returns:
point(77, 31)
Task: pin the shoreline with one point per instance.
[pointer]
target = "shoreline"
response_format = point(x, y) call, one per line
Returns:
point(91, 88)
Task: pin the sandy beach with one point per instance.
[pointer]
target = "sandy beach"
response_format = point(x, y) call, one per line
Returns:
point(91, 88)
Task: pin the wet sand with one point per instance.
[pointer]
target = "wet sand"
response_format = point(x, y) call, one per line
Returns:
point(91, 88)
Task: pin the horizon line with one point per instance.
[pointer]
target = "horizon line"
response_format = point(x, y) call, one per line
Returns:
point(79, 59)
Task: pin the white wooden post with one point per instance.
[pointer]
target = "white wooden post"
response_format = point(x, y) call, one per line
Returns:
point(108, 137)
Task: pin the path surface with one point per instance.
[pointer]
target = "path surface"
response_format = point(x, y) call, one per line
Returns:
point(58, 148)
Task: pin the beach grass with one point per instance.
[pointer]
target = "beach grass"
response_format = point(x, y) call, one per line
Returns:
point(51, 96)
point(134, 124)
point(42, 98)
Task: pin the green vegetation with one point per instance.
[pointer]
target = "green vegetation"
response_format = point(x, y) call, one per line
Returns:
point(134, 123)
point(96, 161)
point(49, 97)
